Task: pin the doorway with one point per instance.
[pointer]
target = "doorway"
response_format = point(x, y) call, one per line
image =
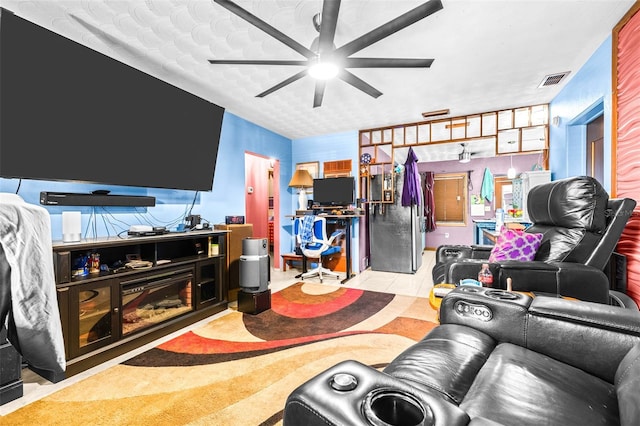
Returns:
point(262, 201)
point(595, 149)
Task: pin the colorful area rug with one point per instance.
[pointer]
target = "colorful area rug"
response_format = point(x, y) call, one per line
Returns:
point(239, 369)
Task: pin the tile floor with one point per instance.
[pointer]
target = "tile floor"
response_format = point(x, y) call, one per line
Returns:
point(418, 284)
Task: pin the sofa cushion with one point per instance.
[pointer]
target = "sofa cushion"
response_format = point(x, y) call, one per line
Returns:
point(514, 384)
point(445, 362)
point(627, 383)
point(515, 244)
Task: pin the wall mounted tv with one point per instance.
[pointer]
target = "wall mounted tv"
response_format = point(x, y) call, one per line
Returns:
point(70, 113)
point(338, 191)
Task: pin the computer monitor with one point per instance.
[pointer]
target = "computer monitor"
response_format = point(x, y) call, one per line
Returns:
point(338, 191)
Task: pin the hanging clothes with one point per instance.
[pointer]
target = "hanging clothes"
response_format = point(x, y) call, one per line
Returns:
point(306, 230)
point(429, 202)
point(486, 192)
point(411, 189)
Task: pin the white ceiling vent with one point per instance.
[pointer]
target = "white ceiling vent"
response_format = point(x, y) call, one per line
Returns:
point(553, 79)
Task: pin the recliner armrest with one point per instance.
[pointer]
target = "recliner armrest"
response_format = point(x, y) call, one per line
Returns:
point(575, 280)
point(591, 336)
point(497, 313)
point(447, 253)
point(566, 278)
point(598, 335)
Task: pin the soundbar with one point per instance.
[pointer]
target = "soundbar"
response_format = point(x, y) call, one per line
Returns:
point(79, 199)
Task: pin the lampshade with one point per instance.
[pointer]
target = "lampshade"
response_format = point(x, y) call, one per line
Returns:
point(301, 179)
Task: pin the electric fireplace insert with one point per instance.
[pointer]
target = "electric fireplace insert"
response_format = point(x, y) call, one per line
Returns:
point(151, 300)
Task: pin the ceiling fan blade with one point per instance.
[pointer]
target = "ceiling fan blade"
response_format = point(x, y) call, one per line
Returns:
point(359, 84)
point(259, 23)
point(280, 85)
point(319, 93)
point(257, 62)
point(328, 22)
point(390, 27)
point(386, 63)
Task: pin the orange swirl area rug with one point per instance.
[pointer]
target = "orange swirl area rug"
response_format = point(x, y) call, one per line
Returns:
point(239, 368)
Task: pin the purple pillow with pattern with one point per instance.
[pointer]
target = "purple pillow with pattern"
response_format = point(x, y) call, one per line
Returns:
point(515, 244)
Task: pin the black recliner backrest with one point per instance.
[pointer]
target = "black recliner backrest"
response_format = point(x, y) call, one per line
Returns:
point(579, 222)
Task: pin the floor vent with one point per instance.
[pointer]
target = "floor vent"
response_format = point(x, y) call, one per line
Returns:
point(553, 79)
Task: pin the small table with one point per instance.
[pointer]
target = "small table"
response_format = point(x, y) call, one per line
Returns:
point(290, 257)
point(489, 236)
point(434, 300)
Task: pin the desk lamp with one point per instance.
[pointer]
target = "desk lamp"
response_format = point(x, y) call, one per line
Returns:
point(301, 179)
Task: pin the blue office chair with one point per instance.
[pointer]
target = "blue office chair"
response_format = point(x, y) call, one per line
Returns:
point(311, 235)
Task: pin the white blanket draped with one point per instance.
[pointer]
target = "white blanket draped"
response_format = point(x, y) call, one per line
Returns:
point(25, 236)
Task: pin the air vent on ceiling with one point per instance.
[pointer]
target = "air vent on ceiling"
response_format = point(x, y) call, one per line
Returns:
point(430, 114)
point(553, 79)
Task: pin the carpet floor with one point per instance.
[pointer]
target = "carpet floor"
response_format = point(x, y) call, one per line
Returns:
point(239, 368)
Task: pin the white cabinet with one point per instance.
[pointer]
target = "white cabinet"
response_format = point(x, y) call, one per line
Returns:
point(529, 180)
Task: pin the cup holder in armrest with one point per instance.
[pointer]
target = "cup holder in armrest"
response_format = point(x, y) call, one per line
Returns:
point(502, 295)
point(393, 407)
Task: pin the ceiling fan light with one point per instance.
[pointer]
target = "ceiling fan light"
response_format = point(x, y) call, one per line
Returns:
point(323, 70)
point(464, 157)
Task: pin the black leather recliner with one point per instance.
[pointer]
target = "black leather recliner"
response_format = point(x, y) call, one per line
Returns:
point(581, 227)
point(497, 358)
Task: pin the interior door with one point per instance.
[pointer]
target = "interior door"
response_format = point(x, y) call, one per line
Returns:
point(262, 199)
point(595, 149)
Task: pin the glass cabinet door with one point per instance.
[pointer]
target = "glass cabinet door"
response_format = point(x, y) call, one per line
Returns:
point(95, 307)
point(209, 282)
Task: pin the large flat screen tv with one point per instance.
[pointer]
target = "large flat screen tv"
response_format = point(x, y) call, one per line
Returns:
point(70, 113)
point(338, 191)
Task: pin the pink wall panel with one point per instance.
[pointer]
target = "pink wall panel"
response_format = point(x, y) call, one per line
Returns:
point(628, 144)
point(257, 202)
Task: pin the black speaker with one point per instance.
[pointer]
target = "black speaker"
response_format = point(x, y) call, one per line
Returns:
point(79, 199)
point(62, 266)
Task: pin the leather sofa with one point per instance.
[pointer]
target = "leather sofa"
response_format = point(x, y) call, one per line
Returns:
point(497, 358)
point(581, 227)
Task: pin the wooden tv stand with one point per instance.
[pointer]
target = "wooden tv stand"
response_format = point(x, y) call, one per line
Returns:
point(111, 311)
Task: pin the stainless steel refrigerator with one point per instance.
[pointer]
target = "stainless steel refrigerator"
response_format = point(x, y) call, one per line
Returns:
point(396, 234)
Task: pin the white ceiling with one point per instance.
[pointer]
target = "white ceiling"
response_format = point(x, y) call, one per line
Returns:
point(489, 54)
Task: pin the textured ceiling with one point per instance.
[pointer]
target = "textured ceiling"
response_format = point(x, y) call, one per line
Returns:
point(488, 54)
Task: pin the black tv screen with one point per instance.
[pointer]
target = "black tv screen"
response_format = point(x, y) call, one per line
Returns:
point(338, 191)
point(70, 113)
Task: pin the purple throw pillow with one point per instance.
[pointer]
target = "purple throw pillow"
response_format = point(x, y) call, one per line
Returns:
point(514, 244)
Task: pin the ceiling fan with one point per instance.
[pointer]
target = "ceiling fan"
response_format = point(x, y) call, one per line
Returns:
point(465, 155)
point(323, 56)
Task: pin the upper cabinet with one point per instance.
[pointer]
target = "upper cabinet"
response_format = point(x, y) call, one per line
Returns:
point(514, 130)
point(504, 132)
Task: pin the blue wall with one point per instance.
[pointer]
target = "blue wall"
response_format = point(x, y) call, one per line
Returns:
point(584, 97)
point(226, 198)
point(337, 146)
